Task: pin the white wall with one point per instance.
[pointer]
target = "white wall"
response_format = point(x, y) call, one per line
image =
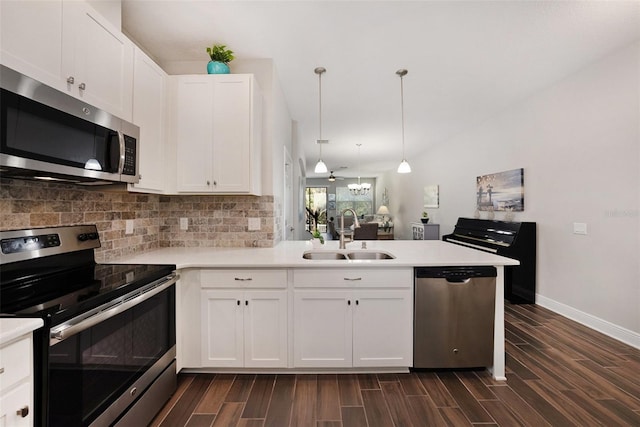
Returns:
point(578, 142)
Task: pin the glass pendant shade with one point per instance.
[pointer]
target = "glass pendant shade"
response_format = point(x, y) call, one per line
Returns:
point(404, 167)
point(320, 167)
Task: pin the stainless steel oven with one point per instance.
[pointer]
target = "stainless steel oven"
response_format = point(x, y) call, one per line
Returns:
point(106, 355)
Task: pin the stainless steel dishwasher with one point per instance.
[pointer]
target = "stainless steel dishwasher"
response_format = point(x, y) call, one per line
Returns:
point(454, 317)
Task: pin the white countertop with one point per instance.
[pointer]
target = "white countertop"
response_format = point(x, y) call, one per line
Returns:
point(12, 328)
point(408, 253)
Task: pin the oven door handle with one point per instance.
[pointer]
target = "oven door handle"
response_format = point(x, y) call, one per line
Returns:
point(66, 330)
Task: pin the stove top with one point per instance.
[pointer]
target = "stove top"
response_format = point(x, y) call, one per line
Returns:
point(68, 293)
point(51, 273)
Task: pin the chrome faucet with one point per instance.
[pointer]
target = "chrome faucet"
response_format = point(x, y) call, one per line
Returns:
point(356, 224)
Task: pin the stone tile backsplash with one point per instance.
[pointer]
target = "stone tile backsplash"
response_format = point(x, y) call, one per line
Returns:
point(213, 221)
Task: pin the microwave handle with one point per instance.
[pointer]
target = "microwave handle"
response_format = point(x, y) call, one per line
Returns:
point(122, 152)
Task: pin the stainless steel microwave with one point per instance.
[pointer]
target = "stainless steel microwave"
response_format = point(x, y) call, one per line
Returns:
point(47, 134)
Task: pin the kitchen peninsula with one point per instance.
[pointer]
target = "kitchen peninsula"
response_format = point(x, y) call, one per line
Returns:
point(225, 295)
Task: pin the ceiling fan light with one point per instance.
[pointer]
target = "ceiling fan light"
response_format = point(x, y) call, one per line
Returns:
point(404, 167)
point(321, 167)
point(332, 177)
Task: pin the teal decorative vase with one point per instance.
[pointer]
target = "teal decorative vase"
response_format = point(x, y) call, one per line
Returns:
point(215, 67)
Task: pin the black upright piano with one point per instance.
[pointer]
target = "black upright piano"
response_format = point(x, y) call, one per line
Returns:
point(515, 240)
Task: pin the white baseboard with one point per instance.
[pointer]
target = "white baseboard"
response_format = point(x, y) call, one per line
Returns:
point(614, 331)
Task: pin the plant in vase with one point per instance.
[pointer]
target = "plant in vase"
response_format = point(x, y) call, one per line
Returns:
point(220, 58)
point(317, 240)
point(425, 217)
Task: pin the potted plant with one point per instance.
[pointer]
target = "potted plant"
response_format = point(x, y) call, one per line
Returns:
point(220, 58)
point(425, 217)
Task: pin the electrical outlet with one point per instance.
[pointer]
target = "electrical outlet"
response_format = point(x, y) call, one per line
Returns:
point(184, 223)
point(254, 224)
point(579, 228)
point(128, 226)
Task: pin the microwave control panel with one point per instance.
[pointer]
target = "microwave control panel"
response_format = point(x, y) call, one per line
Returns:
point(129, 156)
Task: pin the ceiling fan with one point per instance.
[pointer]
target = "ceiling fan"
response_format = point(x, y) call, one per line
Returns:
point(333, 178)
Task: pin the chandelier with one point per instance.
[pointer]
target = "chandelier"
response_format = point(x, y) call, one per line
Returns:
point(359, 189)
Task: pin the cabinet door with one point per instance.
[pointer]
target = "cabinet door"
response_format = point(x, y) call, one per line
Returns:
point(98, 57)
point(194, 133)
point(232, 133)
point(222, 329)
point(31, 34)
point(265, 329)
point(148, 114)
point(382, 328)
point(14, 401)
point(322, 336)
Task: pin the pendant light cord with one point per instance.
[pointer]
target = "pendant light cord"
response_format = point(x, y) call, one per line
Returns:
point(402, 110)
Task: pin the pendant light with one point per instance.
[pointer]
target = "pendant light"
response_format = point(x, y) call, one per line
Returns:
point(404, 165)
point(359, 189)
point(320, 166)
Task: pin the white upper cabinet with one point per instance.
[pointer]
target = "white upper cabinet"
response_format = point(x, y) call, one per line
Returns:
point(149, 109)
point(218, 133)
point(31, 34)
point(69, 46)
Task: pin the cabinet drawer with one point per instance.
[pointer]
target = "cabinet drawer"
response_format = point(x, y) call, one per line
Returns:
point(248, 278)
point(16, 361)
point(353, 277)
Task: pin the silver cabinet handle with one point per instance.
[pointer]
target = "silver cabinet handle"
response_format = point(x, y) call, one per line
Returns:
point(82, 86)
point(355, 279)
point(1, 370)
point(71, 80)
point(240, 279)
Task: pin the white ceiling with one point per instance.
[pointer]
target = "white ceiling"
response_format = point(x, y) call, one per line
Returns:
point(467, 60)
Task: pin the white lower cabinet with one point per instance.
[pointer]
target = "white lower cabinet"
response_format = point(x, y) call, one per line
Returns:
point(353, 318)
point(244, 326)
point(16, 377)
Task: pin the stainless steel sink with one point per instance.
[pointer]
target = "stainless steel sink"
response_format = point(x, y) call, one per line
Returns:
point(353, 255)
point(324, 255)
point(369, 255)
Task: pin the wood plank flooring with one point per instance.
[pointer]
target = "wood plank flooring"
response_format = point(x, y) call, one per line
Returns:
point(559, 373)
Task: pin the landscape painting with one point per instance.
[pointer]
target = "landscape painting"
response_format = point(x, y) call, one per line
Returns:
point(502, 191)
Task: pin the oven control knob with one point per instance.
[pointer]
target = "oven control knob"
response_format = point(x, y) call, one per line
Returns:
point(93, 236)
point(83, 237)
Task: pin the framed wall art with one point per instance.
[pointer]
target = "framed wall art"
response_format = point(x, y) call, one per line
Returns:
point(502, 191)
point(431, 196)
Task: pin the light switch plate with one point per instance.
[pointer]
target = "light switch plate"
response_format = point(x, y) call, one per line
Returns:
point(128, 226)
point(579, 228)
point(254, 224)
point(184, 223)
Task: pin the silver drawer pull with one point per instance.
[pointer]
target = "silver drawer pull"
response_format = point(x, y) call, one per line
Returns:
point(240, 279)
point(353, 280)
point(1, 370)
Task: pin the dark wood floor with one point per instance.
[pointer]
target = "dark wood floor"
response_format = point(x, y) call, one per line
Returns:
point(559, 373)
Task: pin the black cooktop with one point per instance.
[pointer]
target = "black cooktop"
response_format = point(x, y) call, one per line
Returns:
point(51, 273)
point(65, 293)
